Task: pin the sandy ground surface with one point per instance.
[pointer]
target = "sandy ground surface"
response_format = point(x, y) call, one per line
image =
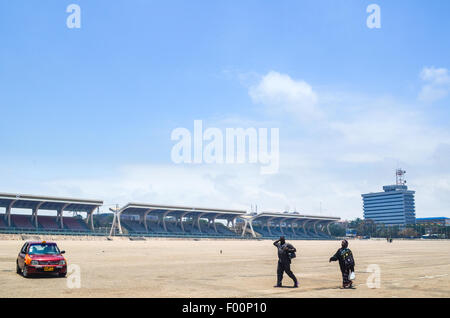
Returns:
point(170, 268)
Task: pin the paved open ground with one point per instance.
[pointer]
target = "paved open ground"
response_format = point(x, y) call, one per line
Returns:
point(177, 268)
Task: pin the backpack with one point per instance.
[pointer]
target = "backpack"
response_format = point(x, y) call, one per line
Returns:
point(347, 257)
point(291, 255)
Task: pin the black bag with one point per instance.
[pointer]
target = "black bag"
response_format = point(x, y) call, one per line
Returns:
point(347, 257)
point(292, 255)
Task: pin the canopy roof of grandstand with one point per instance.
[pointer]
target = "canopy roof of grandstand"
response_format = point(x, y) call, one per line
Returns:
point(292, 216)
point(142, 208)
point(25, 201)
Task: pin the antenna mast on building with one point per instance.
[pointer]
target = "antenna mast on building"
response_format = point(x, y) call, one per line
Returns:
point(400, 177)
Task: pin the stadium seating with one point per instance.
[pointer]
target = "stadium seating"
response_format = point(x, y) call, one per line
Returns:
point(207, 230)
point(312, 234)
point(3, 224)
point(323, 235)
point(154, 227)
point(46, 225)
point(299, 232)
point(22, 221)
point(191, 228)
point(223, 230)
point(172, 227)
point(261, 230)
point(48, 222)
point(75, 224)
point(275, 232)
point(133, 226)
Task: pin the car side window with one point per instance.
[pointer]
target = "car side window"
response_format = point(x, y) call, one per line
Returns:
point(24, 248)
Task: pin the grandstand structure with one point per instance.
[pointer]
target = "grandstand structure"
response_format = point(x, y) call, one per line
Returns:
point(291, 225)
point(140, 219)
point(150, 220)
point(57, 224)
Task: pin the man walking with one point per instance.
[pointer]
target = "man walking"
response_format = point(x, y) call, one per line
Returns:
point(285, 253)
point(346, 263)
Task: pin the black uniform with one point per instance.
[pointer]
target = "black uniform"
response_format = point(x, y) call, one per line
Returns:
point(284, 261)
point(345, 269)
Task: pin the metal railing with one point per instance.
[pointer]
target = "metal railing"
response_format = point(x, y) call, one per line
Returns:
point(41, 231)
point(104, 232)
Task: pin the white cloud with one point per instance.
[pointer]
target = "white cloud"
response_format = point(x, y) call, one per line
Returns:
point(388, 133)
point(432, 194)
point(435, 75)
point(279, 92)
point(437, 84)
point(354, 127)
point(360, 158)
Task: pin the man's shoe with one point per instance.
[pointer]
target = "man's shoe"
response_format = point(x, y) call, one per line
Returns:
point(278, 285)
point(295, 285)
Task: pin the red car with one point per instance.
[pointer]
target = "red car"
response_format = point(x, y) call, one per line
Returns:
point(39, 258)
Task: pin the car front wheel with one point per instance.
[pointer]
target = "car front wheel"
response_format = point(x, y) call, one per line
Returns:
point(18, 270)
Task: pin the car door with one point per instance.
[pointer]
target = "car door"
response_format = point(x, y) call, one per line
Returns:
point(22, 253)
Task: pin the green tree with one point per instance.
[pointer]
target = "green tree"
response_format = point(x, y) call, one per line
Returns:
point(338, 229)
point(408, 233)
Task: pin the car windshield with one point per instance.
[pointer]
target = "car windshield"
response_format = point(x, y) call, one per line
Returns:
point(43, 249)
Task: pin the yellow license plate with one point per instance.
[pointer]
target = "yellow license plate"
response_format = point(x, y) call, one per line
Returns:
point(48, 269)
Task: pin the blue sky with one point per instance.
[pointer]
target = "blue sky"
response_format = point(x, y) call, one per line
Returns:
point(89, 112)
